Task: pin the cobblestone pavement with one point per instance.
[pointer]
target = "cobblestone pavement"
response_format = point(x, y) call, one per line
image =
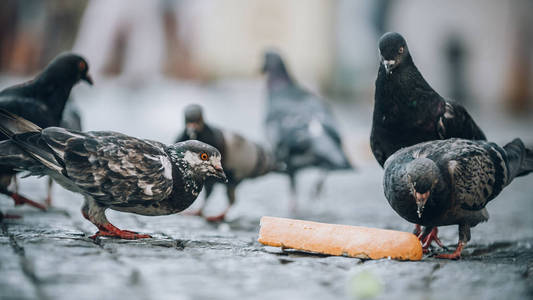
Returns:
point(48, 255)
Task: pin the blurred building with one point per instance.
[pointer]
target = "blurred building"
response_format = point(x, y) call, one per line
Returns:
point(488, 31)
point(478, 52)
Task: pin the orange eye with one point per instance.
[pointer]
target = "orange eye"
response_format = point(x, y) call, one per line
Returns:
point(81, 65)
point(204, 156)
point(400, 50)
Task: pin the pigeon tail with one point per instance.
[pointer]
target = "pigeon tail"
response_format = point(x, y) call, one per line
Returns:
point(330, 153)
point(520, 159)
point(27, 136)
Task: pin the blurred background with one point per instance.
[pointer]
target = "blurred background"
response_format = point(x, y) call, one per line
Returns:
point(476, 51)
point(149, 59)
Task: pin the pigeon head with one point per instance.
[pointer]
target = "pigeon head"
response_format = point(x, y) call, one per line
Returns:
point(194, 120)
point(273, 64)
point(197, 160)
point(67, 68)
point(393, 50)
point(422, 176)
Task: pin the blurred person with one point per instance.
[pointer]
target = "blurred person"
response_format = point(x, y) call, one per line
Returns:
point(123, 37)
point(457, 56)
point(29, 23)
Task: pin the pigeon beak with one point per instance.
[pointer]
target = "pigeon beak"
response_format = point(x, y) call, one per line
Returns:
point(87, 78)
point(388, 64)
point(220, 175)
point(421, 200)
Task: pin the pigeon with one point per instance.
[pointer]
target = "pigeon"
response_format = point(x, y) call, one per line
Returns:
point(111, 170)
point(241, 158)
point(42, 101)
point(407, 110)
point(300, 126)
point(447, 182)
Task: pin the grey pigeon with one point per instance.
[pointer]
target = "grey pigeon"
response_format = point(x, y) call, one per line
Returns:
point(111, 170)
point(407, 110)
point(299, 125)
point(42, 101)
point(241, 158)
point(447, 182)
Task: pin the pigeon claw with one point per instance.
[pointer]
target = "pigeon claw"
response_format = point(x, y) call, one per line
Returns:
point(111, 231)
point(455, 255)
point(418, 231)
point(20, 200)
point(218, 218)
point(428, 239)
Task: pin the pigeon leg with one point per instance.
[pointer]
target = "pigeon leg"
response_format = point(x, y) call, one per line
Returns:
point(319, 187)
point(19, 200)
point(48, 199)
point(464, 237)
point(293, 205)
point(218, 218)
point(230, 192)
point(418, 231)
point(16, 184)
point(456, 254)
point(432, 236)
point(96, 214)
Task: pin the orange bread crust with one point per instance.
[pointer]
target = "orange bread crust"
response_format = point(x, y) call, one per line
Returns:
point(332, 239)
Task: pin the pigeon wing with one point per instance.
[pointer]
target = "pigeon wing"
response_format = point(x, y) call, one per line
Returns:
point(456, 122)
point(113, 168)
point(478, 174)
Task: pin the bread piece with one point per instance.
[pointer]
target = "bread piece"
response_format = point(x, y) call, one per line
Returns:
point(332, 239)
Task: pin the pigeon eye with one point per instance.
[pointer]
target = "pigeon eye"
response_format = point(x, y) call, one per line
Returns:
point(81, 65)
point(400, 50)
point(204, 156)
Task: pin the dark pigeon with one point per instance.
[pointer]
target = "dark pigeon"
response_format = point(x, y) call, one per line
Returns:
point(42, 101)
point(241, 158)
point(407, 111)
point(111, 170)
point(447, 182)
point(300, 125)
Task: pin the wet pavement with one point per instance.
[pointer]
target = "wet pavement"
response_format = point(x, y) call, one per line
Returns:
point(48, 255)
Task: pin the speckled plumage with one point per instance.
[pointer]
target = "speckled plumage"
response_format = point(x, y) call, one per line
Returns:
point(407, 110)
point(110, 169)
point(461, 175)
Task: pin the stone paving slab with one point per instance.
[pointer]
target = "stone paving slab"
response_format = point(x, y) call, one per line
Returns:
point(48, 255)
